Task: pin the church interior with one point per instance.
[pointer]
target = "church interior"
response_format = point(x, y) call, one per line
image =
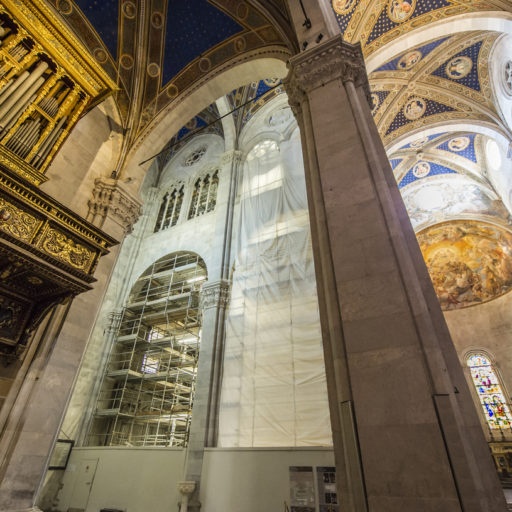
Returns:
point(255, 255)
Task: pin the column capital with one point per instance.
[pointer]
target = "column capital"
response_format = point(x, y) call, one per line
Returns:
point(215, 294)
point(231, 156)
point(331, 60)
point(109, 199)
point(186, 488)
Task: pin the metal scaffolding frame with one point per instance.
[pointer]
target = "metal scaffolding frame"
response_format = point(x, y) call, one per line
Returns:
point(148, 386)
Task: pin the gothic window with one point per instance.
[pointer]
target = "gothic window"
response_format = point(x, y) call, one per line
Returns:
point(485, 379)
point(170, 208)
point(204, 196)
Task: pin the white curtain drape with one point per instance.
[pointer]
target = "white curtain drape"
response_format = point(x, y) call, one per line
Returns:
point(274, 390)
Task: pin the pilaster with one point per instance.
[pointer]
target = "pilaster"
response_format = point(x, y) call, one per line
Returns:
point(394, 381)
point(214, 300)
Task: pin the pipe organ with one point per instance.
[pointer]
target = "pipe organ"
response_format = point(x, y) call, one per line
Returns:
point(41, 94)
point(48, 254)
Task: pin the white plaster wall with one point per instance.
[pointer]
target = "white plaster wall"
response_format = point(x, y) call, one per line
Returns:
point(145, 479)
point(90, 151)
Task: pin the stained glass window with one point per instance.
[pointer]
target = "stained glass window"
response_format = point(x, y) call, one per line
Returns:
point(494, 405)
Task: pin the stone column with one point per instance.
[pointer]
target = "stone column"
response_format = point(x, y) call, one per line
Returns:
point(34, 424)
point(405, 430)
point(214, 299)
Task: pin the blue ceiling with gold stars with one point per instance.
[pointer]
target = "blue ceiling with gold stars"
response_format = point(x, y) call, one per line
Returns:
point(427, 169)
point(103, 16)
point(431, 107)
point(397, 64)
point(462, 67)
point(193, 26)
point(392, 17)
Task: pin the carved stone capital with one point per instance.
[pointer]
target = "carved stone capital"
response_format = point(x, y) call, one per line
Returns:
point(109, 199)
point(231, 156)
point(186, 488)
point(215, 294)
point(334, 59)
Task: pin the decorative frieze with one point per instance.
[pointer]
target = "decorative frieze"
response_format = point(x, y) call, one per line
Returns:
point(110, 199)
point(334, 59)
point(215, 294)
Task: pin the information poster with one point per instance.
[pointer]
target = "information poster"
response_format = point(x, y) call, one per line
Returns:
point(327, 493)
point(302, 489)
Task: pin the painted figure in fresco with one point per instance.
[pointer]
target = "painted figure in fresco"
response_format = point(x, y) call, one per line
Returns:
point(421, 169)
point(343, 6)
point(414, 109)
point(459, 67)
point(409, 60)
point(459, 143)
point(400, 10)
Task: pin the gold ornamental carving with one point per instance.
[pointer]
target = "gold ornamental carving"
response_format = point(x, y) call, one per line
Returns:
point(60, 246)
point(17, 223)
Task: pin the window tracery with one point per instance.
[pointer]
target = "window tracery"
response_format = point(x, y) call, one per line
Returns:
point(170, 208)
point(204, 196)
point(496, 410)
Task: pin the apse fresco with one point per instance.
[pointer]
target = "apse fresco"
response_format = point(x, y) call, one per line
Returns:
point(469, 262)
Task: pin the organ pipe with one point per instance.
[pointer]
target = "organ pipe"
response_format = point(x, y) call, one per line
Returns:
point(39, 101)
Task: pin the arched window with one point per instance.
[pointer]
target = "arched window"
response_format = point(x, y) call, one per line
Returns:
point(204, 196)
point(147, 392)
point(485, 379)
point(170, 208)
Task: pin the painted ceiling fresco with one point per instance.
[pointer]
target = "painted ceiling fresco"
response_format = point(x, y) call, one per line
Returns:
point(469, 262)
point(377, 22)
point(445, 79)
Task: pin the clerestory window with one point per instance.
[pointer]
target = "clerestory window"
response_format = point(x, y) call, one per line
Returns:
point(204, 196)
point(170, 208)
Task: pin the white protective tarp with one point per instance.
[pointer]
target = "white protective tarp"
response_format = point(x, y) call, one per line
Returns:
point(274, 391)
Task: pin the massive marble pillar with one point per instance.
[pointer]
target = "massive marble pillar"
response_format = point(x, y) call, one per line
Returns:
point(406, 433)
point(30, 431)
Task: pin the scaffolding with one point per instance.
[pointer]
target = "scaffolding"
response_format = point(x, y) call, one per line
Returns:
point(148, 386)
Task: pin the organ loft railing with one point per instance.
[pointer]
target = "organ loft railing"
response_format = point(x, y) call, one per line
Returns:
point(45, 85)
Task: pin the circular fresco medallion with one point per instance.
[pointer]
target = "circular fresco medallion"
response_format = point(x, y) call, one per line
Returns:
point(409, 60)
point(375, 102)
point(271, 82)
point(126, 61)
point(343, 6)
point(240, 44)
point(469, 262)
point(100, 55)
point(421, 169)
point(418, 143)
point(400, 10)
point(414, 108)
point(205, 64)
point(64, 6)
point(172, 91)
point(129, 9)
point(191, 124)
point(459, 143)
point(157, 19)
point(153, 69)
point(459, 67)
